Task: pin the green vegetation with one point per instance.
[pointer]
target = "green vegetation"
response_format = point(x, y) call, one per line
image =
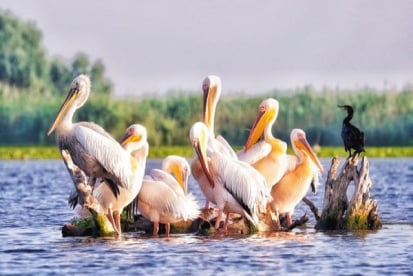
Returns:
point(33, 86)
point(357, 222)
point(51, 152)
point(98, 222)
point(26, 120)
point(83, 222)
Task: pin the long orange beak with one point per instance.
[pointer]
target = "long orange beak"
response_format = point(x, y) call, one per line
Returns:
point(70, 98)
point(302, 144)
point(208, 104)
point(199, 146)
point(181, 176)
point(128, 138)
point(262, 120)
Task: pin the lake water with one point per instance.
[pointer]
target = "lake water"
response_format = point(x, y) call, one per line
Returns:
point(33, 208)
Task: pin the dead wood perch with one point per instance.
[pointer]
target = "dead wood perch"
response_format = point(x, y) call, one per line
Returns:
point(204, 225)
point(339, 213)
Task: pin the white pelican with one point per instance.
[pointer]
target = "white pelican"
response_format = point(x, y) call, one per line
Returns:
point(294, 185)
point(135, 144)
point(92, 149)
point(233, 186)
point(269, 157)
point(163, 198)
point(211, 87)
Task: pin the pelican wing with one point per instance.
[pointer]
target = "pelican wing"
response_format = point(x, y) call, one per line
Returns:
point(160, 197)
point(236, 180)
point(168, 179)
point(96, 128)
point(255, 153)
point(107, 151)
point(225, 146)
point(263, 193)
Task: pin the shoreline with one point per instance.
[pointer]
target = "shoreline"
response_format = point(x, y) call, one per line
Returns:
point(51, 152)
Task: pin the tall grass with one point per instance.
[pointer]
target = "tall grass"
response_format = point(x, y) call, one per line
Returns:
point(51, 152)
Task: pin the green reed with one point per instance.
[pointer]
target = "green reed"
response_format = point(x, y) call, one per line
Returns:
point(51, 152)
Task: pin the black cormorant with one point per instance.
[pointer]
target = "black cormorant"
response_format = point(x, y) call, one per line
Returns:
point(353, 138)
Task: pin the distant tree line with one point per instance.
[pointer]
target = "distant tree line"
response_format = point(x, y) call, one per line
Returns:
point(24, 62)
point(33, 87)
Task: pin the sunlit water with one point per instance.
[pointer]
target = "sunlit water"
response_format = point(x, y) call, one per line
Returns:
point(33, 208)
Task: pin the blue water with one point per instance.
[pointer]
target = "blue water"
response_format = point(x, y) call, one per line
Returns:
point(33, 208)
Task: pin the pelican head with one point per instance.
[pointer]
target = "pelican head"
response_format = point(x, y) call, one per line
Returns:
point(78, 94)
point(211, 87)
point(301, 145)
point(267, 114)
point(178, 166)
point(199, 135)
point(134, 134)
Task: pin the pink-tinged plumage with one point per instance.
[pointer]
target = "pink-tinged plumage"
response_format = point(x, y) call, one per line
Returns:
point(294, 185)
point(163, 198)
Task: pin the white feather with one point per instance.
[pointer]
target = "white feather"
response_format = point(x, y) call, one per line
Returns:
point(111, 155)
point(163, 200)
point(256, 152)
point(225, 147)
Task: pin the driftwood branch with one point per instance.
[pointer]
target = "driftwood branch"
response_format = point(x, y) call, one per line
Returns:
point(83, 194)
point(313, 208)
point(360, 212)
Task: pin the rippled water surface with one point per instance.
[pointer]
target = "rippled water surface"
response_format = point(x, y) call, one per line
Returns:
point(33, 208)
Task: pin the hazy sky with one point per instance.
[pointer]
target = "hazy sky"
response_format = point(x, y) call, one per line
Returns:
point(254, 46)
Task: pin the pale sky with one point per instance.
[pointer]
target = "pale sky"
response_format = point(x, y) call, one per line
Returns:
point(254, 46)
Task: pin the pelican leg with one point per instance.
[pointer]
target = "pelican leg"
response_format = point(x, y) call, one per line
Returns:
point(117, 221)
point(226, 222)
point(219, 216)
point(167, 229)
point(109, 215)
point(155, 228)
point(289, 219)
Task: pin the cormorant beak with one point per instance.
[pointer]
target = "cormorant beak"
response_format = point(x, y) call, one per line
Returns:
point(70, 98)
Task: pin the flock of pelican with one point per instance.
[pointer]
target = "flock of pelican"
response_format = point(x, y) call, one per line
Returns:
point(261, 178)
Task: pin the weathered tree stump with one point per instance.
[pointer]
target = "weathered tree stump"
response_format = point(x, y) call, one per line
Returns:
point(339, 213)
